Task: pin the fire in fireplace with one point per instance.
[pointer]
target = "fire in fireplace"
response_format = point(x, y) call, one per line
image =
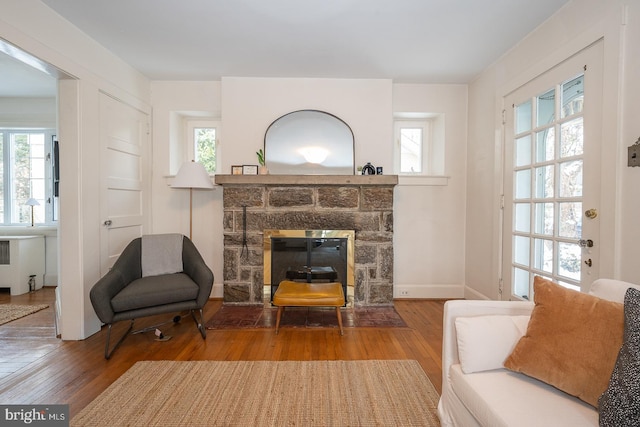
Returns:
point(309, 256)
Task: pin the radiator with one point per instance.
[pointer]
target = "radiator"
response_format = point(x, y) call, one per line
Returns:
point(20, 258)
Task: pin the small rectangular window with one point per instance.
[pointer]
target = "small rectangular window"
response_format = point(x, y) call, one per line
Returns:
point(202, 137)
point(411, 150)
point(412, 147)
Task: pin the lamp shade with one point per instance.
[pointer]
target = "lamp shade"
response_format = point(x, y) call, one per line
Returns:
point(32, 202)
point(192, 175)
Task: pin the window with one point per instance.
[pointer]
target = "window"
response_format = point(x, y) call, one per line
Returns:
point(203, 138)
point(411, 137)
point(26, 172)
point(419, 144)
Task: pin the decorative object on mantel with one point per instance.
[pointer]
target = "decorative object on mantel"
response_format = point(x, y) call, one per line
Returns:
point(236, 170)
point(309, 142)
point(32, 202)
point(263, 168)
point(192, 175)
point(368, 169)
point(249, 169)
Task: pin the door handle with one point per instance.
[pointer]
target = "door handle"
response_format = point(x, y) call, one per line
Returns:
point(585, 243)
point(107, 223)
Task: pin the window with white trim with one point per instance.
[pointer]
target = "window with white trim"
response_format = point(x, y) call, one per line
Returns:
point(202, 136)
point(26, 173)
point(412, 147)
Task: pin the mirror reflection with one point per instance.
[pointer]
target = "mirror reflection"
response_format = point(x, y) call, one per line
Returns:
point(309, 142)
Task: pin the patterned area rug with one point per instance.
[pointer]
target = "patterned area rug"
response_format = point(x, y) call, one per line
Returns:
point(264, 393)
point(257, 317)
point(10, 312)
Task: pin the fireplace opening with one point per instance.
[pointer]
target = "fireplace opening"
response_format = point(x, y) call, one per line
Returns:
point(309, 256)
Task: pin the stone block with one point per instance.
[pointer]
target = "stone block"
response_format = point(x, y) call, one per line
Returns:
point(380, 294)
point(290, 197)
point(377, 198)
point(237, 197)
point(236, 293)
point(338, 197)
point(230, 268)
point(365, 254)
point(385, 262)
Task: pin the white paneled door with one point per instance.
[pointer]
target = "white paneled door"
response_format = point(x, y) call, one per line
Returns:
point(552, 176)
point(124, 139)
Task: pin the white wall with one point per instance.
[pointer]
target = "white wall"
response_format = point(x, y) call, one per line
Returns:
point(429, 218)
point(87, 69)
point(429, 214)
point(574, 27)
point(172, 103)
point(249, 105)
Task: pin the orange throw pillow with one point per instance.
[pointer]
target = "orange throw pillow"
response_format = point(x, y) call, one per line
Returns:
point(572, 341)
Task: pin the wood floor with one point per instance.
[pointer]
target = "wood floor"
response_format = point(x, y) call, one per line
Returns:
point(41, 369)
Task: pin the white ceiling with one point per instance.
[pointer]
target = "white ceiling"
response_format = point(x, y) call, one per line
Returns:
point(422, 41)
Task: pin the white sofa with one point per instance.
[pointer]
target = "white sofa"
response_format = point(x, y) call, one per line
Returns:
point(499, 397)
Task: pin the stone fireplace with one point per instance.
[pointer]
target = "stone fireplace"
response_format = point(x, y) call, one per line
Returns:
point(254, 204)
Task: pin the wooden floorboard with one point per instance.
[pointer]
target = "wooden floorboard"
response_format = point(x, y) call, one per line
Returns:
point(41, 369)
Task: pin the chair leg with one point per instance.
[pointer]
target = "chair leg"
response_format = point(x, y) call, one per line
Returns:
point(107, 353)
point(199, 324)
point(278, 317)
point(339, 314)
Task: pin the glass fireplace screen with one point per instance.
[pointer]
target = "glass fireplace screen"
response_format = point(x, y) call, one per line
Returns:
point(309, 256)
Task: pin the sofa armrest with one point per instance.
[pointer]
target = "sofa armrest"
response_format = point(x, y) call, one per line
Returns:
point(471, 308)
point(195, 267)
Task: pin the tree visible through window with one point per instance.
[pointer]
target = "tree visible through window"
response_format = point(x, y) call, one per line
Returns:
point(205, 147)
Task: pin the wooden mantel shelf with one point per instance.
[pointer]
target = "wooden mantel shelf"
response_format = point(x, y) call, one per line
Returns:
point(343, 180)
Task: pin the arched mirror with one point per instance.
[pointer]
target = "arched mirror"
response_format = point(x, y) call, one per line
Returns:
point(309, 142)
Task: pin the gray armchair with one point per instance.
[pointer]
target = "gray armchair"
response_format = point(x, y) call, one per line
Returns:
point(124, 293)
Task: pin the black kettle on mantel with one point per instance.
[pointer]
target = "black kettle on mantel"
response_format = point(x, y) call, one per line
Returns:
point(368, 169)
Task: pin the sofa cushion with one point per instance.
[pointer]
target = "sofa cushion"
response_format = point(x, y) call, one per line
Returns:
point(572, 341)
point(611, 289)
point(620, 404)
point(155, 290)
point(484, 342)
point(501, 398)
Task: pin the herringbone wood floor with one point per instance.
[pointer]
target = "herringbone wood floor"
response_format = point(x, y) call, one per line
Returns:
point(38, 368)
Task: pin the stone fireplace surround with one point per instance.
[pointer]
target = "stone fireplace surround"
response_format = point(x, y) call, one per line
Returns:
point(308, 202)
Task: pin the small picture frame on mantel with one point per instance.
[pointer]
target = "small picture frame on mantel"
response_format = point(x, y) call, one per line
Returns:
point(249, 169)
point(236, 170)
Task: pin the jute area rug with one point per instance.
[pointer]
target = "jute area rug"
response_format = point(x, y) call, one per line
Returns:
point(10, 312)
point(264, 393)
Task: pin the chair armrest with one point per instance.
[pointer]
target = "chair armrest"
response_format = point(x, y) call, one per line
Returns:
point(124, 271)
point(194, 266)
point(471, 308)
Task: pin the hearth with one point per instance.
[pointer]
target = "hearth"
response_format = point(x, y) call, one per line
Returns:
point(309, 256)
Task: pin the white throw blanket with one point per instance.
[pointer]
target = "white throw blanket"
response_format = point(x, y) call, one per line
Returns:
point(161, 254)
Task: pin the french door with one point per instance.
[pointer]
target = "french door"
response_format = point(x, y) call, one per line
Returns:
point(552, 176)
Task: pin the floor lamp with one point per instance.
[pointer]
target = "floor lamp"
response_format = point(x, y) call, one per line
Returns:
point(32, 202)
point(192, 175)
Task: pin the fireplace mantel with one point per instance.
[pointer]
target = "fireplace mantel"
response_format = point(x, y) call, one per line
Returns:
point(341, 180)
